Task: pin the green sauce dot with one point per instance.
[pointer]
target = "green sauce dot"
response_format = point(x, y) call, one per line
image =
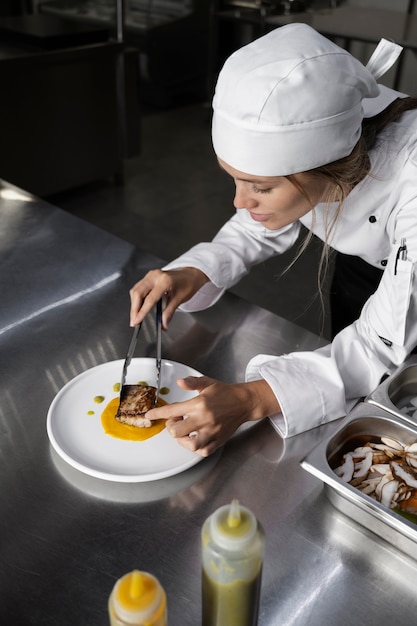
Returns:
point(99, 399)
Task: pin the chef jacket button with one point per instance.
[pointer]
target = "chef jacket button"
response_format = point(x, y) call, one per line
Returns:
point(372, 219)
point(384, 262)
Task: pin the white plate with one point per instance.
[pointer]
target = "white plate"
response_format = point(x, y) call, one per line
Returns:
point(80, 440)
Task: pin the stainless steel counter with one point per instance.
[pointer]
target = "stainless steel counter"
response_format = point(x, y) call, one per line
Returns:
point(65, 537)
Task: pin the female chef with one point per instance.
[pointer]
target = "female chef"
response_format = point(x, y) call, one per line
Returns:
point(308, 137)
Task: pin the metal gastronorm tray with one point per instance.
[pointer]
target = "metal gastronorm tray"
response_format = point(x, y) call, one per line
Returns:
point(364, 422)
point(392, 393)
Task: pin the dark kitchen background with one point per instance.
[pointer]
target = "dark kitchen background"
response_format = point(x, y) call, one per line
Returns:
point(105, 112)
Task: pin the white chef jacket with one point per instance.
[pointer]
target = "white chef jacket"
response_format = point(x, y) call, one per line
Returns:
point(318, 386)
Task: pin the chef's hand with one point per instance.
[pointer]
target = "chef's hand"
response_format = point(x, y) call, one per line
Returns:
point(205, 422)
point(178, 286)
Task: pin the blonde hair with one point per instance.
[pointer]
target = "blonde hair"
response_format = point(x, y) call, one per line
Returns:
point(343, 175)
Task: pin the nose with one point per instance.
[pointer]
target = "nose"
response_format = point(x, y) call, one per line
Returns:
point(244, 198)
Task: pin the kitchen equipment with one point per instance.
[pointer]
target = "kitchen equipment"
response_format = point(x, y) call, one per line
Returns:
point(232, 556)
point(158, 347)
point(366, 422)
point(137, 599)
point(76, 432)
point(397, 394)
point(132, 347)
point(129, 355)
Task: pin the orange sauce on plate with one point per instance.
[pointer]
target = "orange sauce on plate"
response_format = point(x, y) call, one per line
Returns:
point(114, 428)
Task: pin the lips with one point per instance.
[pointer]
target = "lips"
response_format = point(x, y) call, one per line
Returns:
point(259, 217)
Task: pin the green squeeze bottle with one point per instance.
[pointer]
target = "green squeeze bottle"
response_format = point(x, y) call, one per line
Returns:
point(233, 543)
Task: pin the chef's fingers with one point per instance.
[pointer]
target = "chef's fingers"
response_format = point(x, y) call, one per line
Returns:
point(206, 421)
point(177, 410)
point(174, 411)
point(177, 286)
point(203, 441)
point(195, 383)
point(146, 293)
point(194, 445)
point(184, 283)
point(194, 423)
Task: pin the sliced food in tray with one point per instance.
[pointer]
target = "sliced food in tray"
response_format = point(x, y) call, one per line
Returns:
point(369, 471)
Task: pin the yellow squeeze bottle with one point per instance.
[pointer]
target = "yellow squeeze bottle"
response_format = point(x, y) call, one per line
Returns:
point(137, 599)
point(233, 543)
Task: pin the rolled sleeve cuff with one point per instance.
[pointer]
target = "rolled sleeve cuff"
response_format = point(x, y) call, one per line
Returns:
point(205, 297)
point(208, 295)
point(287, 376)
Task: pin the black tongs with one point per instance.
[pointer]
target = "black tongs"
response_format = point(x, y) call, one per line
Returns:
point(132, 347)
point(130, 353)
point(158, 348)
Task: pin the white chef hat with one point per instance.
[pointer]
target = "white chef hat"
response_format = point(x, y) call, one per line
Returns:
point(292, 101)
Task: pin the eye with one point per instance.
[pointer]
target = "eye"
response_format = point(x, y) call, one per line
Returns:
point(257, 190)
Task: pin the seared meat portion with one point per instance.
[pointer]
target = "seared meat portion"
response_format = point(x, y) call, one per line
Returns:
point(135, 400)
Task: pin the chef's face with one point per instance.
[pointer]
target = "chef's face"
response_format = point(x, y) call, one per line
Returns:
point(275, 201)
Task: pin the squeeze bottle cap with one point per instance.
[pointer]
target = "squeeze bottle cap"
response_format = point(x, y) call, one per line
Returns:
point(136, 597)
point(232, 526)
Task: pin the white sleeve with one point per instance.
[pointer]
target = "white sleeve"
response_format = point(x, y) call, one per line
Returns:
point(239, 244)
point(319, 386)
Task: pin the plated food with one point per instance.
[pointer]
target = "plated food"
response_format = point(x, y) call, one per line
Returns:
point(76, 432)
point(135, 401)
point(124, 416)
